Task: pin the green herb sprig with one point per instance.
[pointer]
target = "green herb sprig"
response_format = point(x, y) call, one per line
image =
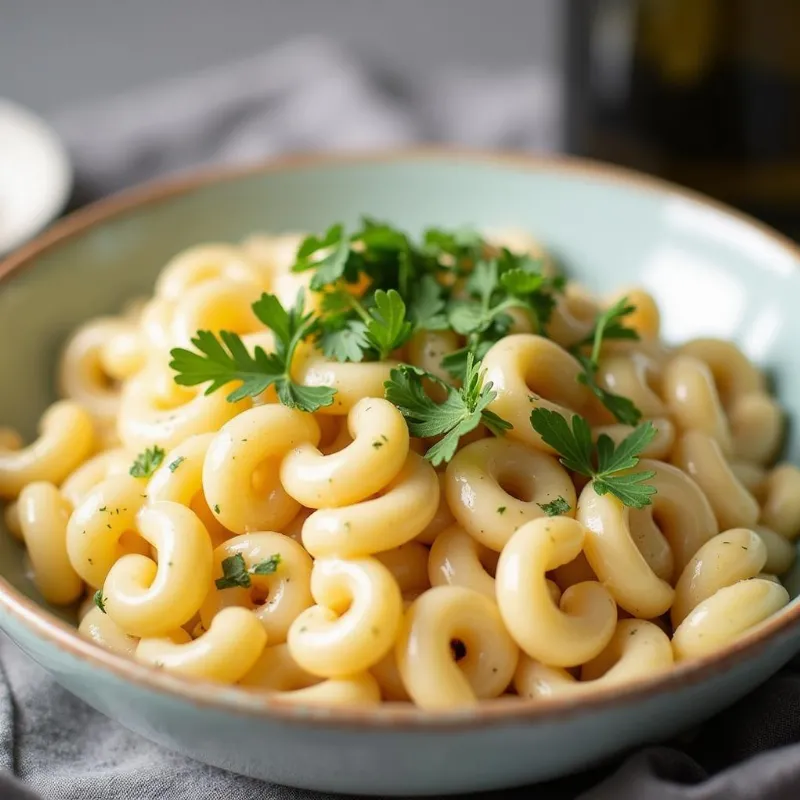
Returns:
point(461, 411)
point(609, 325)
point(381, 327)
point(556, 508)
point(99, 600)
point(608, 465)
point(225, 359)
point(147, 462)
point(496, 286)
point(235, 572)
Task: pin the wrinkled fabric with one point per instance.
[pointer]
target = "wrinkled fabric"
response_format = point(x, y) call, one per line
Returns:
point(308, 96)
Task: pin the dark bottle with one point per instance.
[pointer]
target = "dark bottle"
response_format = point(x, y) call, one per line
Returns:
point(705, 93)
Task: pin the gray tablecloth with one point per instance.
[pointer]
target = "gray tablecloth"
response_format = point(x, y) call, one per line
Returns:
point(314, 95)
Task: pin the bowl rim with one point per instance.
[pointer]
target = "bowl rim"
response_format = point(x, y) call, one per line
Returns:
point(48, 628)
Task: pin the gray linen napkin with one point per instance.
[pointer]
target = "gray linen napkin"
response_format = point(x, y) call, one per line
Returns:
point(315, 95)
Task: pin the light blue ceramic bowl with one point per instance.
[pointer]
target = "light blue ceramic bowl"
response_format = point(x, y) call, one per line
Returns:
point(713, 273)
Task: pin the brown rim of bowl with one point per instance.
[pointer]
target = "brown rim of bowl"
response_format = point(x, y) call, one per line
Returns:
point(49, 628)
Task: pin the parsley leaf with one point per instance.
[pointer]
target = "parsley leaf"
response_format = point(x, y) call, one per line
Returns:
point(100, 601)
point(256, 373)
point(223, 360)
point(427, 304)
point(331, 267)
point(461, 411)
point(456, 362)
point(147, 462)
point(625, 454)
point(235, 572)
point(519, 282)
point(609, 325)
point(176, 463)
point(495, 286)
point(387, 327)
point(631, 487)
point(268, 566)
point(376, 332)
point(573, 446)
point(556, 507)
point(345, 341)
point(577, 453)
point(623, 408)
point(463, 245)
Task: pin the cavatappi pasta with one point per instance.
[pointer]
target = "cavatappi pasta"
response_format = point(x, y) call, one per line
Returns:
point(482, 481)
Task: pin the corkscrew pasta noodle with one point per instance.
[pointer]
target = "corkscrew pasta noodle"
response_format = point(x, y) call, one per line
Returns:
point(241, 468)
point(146, 597)
point(401, 512)
point(423, 649)
point(530, 372)
point(445, 476)
point(371, 461)
point(355, 622)
point(692, 398)
point(43, 516)
point(495, 485)
point(564, 636)
point(615, 559)
point(276, 598)
point(66, 439)
point(156, 411)
point(276, 671)
point(637, 650)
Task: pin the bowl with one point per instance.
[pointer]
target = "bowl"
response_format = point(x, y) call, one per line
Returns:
point(714, 272)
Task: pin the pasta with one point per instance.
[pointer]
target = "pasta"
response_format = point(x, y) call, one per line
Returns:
point(353, 471)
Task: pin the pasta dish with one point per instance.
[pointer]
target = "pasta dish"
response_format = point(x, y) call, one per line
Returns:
point(362, 467)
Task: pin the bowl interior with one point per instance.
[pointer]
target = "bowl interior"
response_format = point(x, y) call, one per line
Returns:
point(711, 272)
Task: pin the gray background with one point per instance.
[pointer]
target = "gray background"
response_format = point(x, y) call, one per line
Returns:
point(56, 53)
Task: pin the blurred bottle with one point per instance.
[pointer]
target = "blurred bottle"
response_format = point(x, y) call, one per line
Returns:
point(705, 93)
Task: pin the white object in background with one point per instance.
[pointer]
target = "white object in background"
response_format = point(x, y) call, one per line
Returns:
point(35, 175)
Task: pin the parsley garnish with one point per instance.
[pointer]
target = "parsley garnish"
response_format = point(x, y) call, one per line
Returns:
point(556, 507)
point(377, 251)
point(463, 246)
point(176, 463)
point(495, 286)
point(380, 329)
point(226, 359)
point(147, 462)
point(387, 327)
point(235, 572)
point(427, 305)
point(99, 600)
point(332, 266)
point(611, 473)
point(609, 325)
point(623, 408)
point(268, 566)
point(344, 339)
point(384, 260)
point(462, 410)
